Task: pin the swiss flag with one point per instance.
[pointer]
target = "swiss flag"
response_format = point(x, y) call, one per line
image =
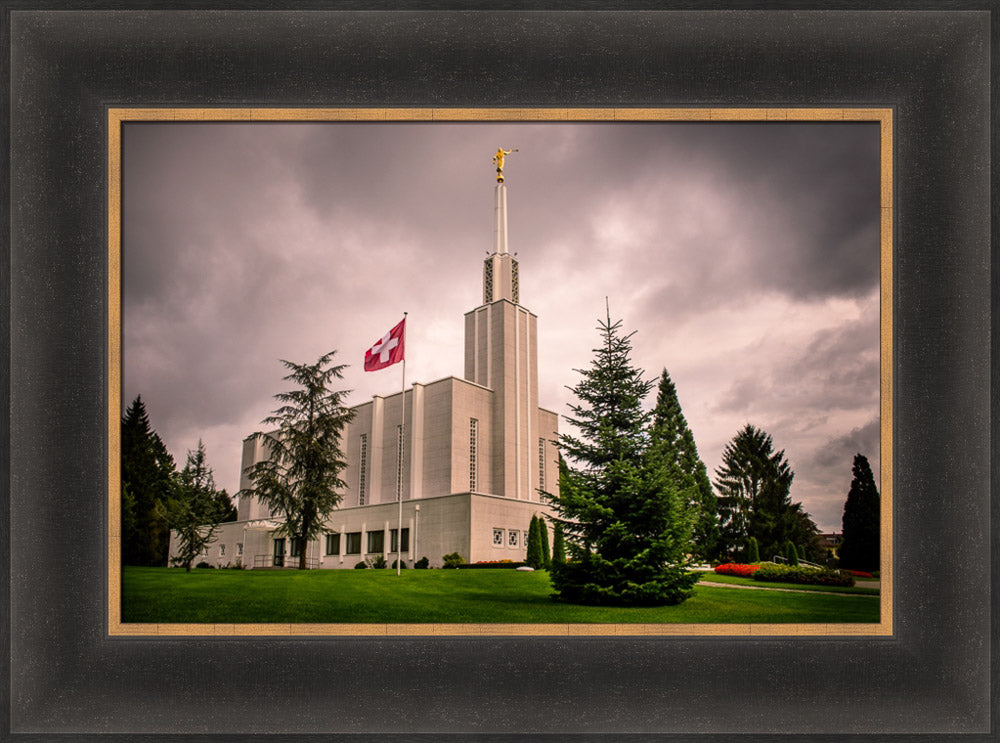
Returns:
point(388, 350)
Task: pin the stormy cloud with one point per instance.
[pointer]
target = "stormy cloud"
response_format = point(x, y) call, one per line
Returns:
point(746, 257)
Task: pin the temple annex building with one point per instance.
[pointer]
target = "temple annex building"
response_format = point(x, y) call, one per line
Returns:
point(476, 452)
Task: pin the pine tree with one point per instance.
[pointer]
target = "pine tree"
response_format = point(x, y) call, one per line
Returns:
point(147, 480)
point(753, 484)
point(534, 549)
point(558, 547)
point(617, 505)
point(196, 509)
point(300, 480)
point(543, 539)
point(861, 546)
point(672, 442)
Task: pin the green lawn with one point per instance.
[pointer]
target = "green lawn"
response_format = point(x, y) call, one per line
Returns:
point(170, 595)
point(735, 579)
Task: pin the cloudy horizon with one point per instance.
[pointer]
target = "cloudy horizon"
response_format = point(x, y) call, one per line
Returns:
point(744, 255)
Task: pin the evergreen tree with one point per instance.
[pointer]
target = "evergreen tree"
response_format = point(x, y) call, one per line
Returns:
point(543, 540)
point(196, 509)
point(300, 479)
point(753, 551)
point(621, 513)
point(672, 441)
point(791, 554)
point(753, 484)
point(558, 547)
point(147, 480)
point(861, 547)
point(534, 549)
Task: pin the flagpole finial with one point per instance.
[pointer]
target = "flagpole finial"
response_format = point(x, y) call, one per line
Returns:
point(498, 161)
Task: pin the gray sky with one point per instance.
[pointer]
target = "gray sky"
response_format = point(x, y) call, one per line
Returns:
point(745, 255)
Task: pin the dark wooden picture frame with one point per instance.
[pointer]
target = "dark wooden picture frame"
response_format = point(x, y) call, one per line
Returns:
point(931, 677)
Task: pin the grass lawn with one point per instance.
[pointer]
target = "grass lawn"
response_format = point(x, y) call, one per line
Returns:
point(169, 595)
point(714, 577)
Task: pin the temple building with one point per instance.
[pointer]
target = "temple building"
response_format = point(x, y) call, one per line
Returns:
point(469, 464)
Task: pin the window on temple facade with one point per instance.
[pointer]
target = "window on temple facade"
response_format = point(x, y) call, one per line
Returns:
point(473, 451)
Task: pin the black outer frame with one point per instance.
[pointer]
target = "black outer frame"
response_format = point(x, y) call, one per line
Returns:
point(931, 680)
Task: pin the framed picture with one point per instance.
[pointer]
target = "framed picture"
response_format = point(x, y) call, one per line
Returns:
point(72, 668)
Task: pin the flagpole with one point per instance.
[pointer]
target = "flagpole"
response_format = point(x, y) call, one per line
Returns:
point(402, 448)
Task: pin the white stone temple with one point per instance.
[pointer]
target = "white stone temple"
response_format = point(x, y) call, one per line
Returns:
point(476, 453)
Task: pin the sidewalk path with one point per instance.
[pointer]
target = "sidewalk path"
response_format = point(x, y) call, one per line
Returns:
point(786, 590)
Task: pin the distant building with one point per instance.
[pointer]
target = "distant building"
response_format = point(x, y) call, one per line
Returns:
point(477, 451)
point(831, 542)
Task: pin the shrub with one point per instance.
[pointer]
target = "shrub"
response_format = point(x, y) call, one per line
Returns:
point(791, 554)
point(491, 564)
point(804, 575)
point(361, 565)
point(738, 569)
point(422, 564)
point(378, 562)
point(753, 551)
point(402, 565)
point(204, 564)
point(452, 560)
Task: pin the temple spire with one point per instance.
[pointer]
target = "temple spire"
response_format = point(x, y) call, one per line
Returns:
point(500, 204)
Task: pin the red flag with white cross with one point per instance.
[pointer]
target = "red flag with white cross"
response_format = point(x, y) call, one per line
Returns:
point(388, 350)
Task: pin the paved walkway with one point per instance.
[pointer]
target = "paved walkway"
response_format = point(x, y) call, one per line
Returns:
point(771, 588)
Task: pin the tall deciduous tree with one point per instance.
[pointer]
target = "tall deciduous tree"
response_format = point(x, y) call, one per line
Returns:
point(618, 508)
point(753, 484)
point(147, 480)
point(673, 443)
point(197, 508)
point(860, 549)
point(300, 479)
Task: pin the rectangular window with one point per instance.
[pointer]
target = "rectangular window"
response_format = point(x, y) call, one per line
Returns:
point(541, 464)
point(222, 550)
point(473, 450)
point(296, 547)
point(498, 537)
point(399, 462)
point(512, 537)
point(406, 540)
point(333, 544)
point(239, 549)
point(353, 543)
point(376, 541)
point(363, 467)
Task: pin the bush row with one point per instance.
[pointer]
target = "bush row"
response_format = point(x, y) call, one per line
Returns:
point(808, 576)
point(491, 564)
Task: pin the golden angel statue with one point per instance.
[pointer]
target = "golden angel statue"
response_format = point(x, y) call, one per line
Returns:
point(498, 161)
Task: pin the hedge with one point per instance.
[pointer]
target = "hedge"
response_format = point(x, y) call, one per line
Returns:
point(808, 576)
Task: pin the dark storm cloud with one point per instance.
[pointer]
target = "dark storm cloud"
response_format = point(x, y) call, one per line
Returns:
point(745, 254)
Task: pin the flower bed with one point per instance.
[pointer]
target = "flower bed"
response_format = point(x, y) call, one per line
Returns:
point(804, 575)
point(857, 573)
point(740, 570)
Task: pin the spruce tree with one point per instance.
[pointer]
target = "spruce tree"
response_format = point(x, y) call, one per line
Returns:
point(300, 479)
point(620, 511)
point(197, 508)
point(860, 549)
point(672, 441)
point(558, 547)
point(543, 540)
point(753, 484)
point(147, 481)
